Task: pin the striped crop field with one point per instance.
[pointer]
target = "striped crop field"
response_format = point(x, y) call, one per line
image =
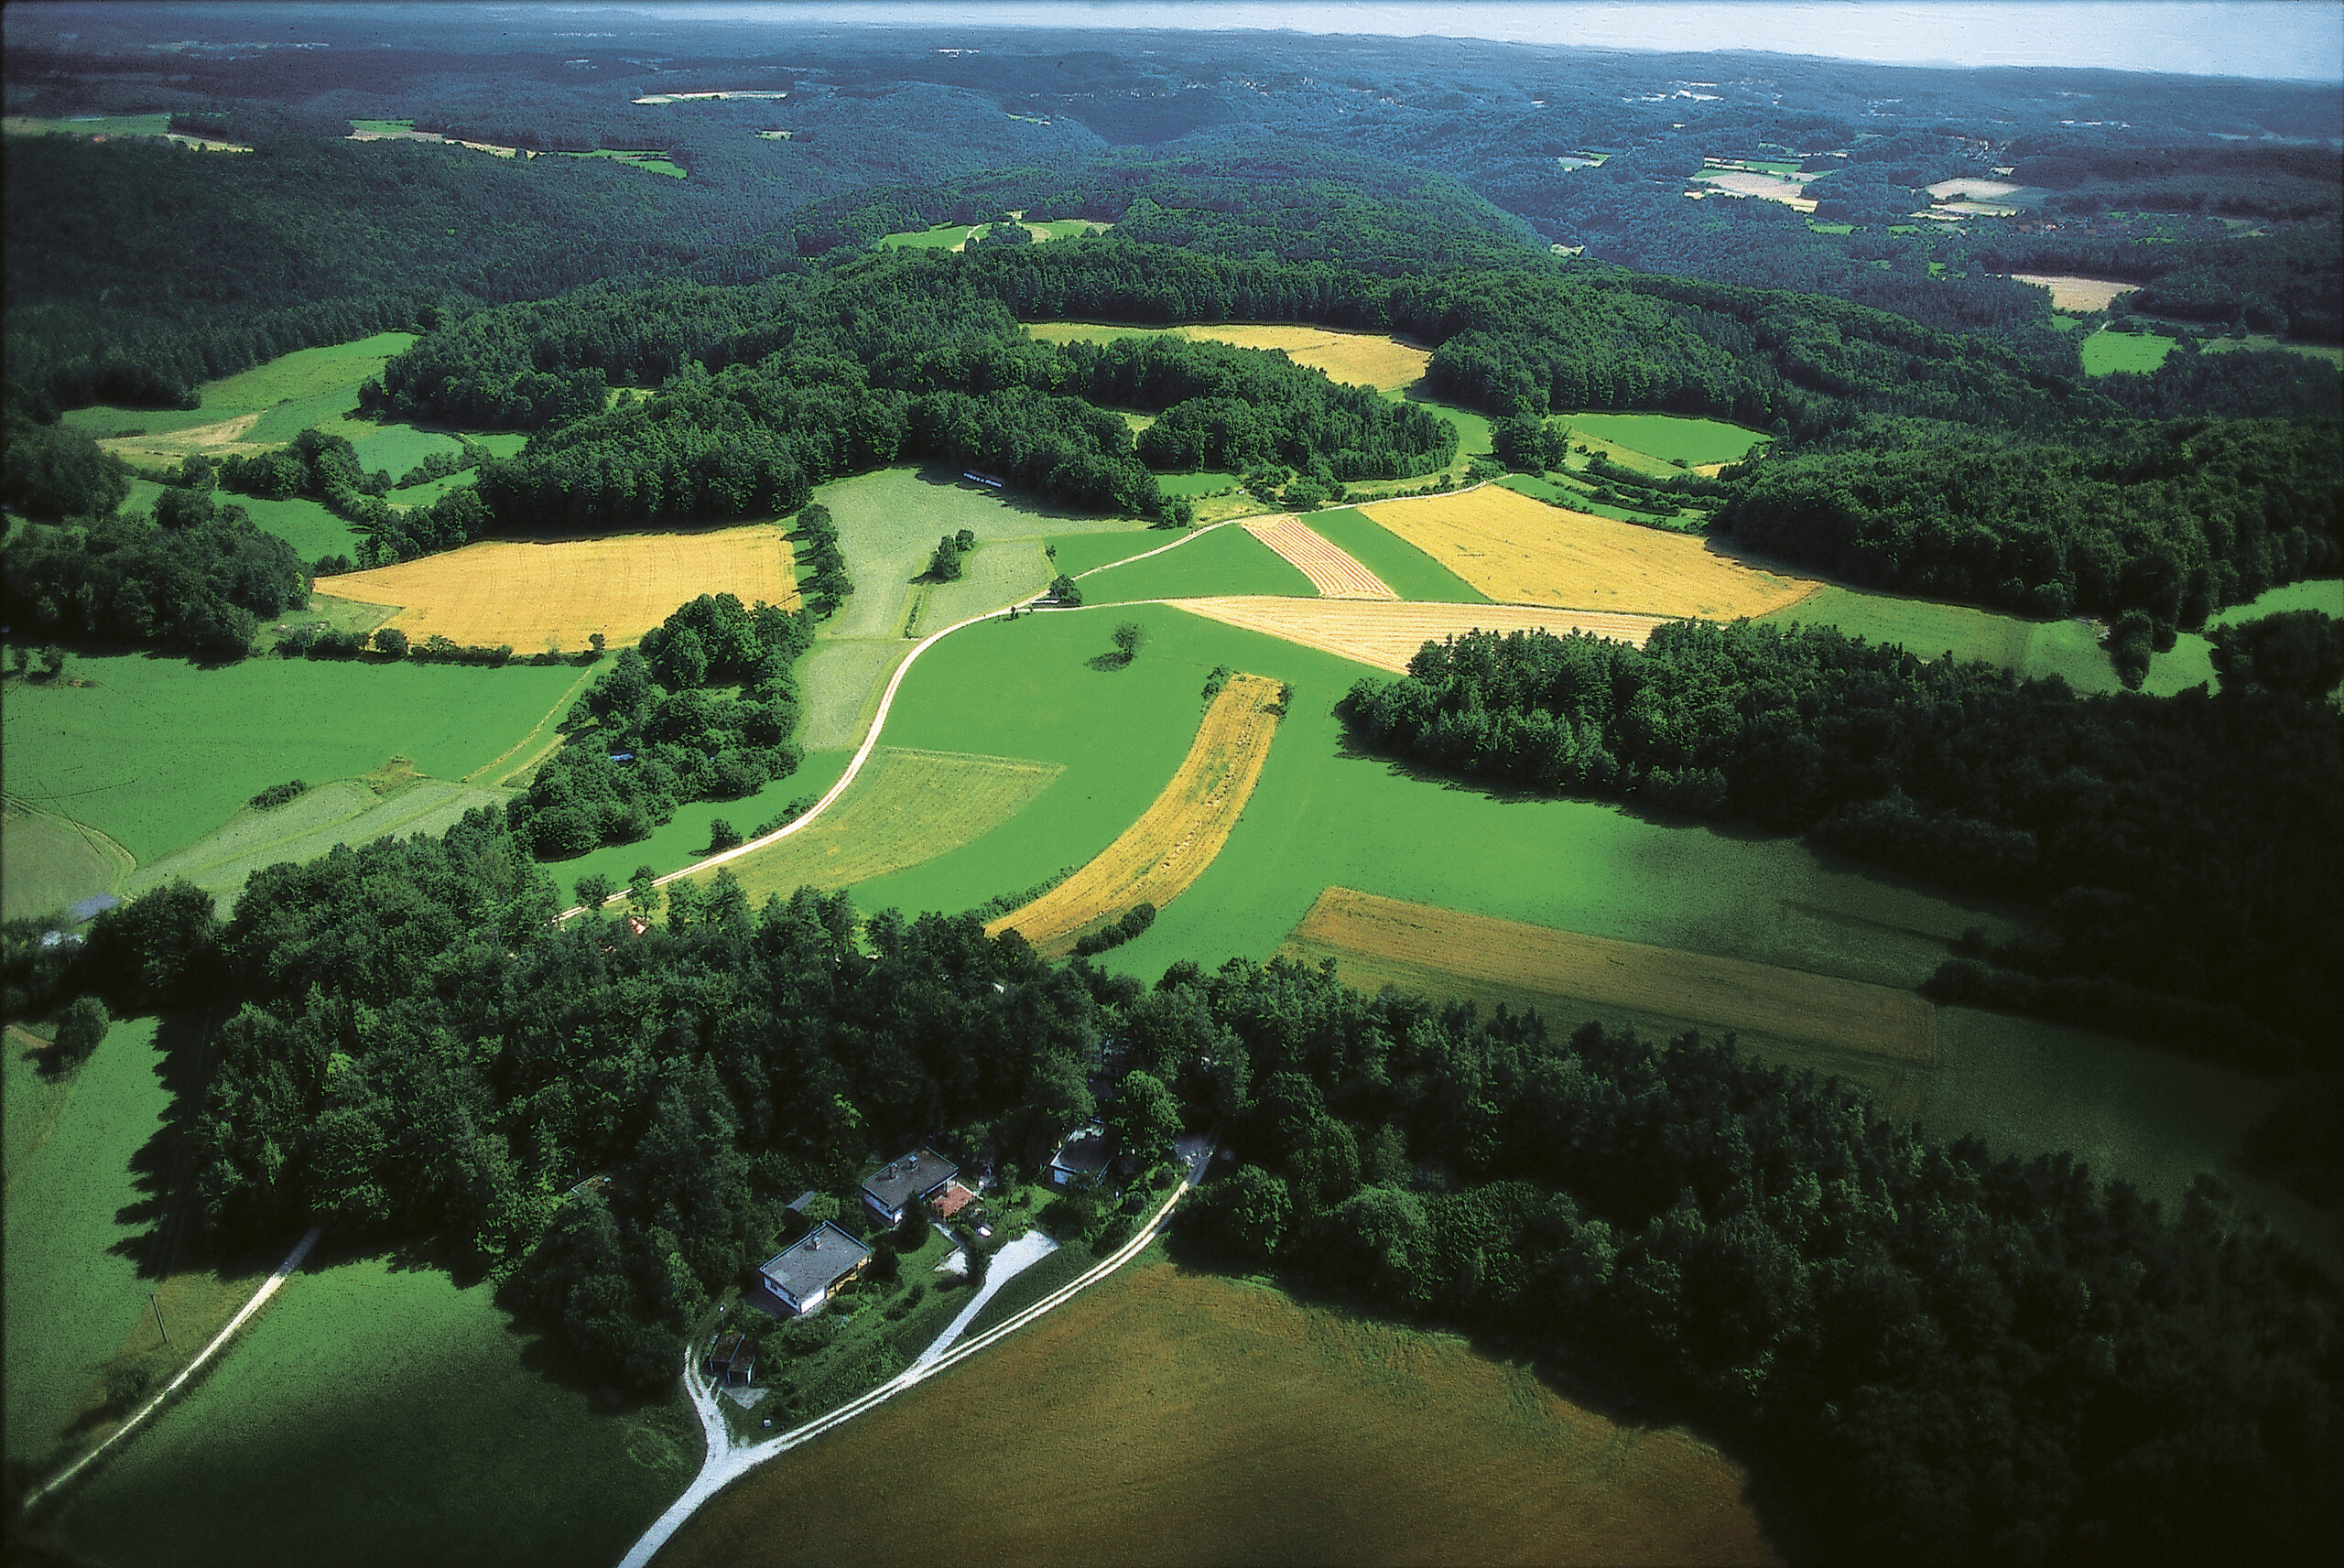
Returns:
point(559, 592)
point(1880, 1036)
point(1157, 858)
point(1333, 570)
point(1519, 550)
point(1388, 635)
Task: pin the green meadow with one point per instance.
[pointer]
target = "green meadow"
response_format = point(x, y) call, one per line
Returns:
point(308, 525)
point(655, 160)
point(943, 237)
point(155, 752)
point(2191, 660)
point(48, 862)
point(71, 1298)
point(1405, 570)
point(376, 1413)
point(1669, 436)
point(2331, 353)
point(155, 125)
point(1200, 483)
point(289, 393)
point(685, 838)
point(1563, 490)
point(343, 812)
point(1080, 553)
point(2105, 351)
point(2069, 649)
point(1224, 560)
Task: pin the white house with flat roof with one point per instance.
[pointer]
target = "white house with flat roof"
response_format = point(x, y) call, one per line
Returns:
point(802, 1275)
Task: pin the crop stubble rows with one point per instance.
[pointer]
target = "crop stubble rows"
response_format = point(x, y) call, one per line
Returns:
point(1333, 570)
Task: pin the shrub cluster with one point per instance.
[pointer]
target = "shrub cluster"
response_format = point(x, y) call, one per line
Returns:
point(278, 795)
point(1136, 919)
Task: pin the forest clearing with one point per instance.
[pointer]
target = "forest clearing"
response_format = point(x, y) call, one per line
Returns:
point(1157, 858)
point(558, 593)
point(1388, 635)
point(1333, 570)
point(1357, 358)
point(1522, 551)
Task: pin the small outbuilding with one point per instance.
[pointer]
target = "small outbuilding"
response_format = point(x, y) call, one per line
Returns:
point(801, 1276)
point(921, 1174)
point(734, 1362)
point(1084, 1155)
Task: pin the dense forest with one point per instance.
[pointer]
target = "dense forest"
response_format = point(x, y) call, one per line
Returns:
point(197, 579)
point(2185, 847)
point(1936, 1356)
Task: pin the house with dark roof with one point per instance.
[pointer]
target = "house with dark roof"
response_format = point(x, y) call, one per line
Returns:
point(734, 1362)
point(1084, 1155)
point(801, 1276)
point(919, 1173)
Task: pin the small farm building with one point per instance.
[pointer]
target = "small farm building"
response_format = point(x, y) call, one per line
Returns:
point(801, 1276)
point(919, 1174)
point(732, 1362)
point(1084, 1155)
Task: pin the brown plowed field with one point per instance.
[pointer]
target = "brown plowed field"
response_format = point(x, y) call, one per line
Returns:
point(562, 592)
point(1176, 1417)
point(1176, 837)
point(1522, 551)
point(1875, 1035)
point(1334, 572)
point(1388, 635)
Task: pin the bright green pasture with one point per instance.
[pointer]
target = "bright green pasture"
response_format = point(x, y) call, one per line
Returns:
point(156, 752)
point(2329, 352)
point(48, 862)
point(290, 393)
point(155, 125)
point(2105, 351)
point(381, 127)
point(375, 1414)
point(309, 527)
point(396, 449)
point(2191, 661)
point(1831, 228)
point(1928, 628)
point(71, 1299)
point(1080, 553)
point(1203, 482)
point(1472, 428)
point(1405, 570)
point(1671, 436)
point(344, 812)
point(943, 237)
point(654, 159)
point(685, 839)
point(1068, 228)
point(1220, 561)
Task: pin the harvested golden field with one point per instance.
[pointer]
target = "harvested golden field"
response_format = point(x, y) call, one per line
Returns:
point(1334, 572)
point(905, 806)
point(2079, 294)
point(1157, 858)
point(1879, 1036)
point(1388, 635)
point(1522, 551)
point(224, 438)
point(1170, 1417)
point(560, 592)
point(1790, 192)
point(1358, 359)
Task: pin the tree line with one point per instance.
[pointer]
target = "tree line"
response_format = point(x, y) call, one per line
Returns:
point(197, 580)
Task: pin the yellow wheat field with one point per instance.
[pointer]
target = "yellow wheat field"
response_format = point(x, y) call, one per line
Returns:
point(1358, 359)
point(534, 594)
point(1157, 858)
point(1331, 569)
point(2077, 294)
point(907, 806)
point(1875, 1035)
point(1388, 635)
point(1521, 551)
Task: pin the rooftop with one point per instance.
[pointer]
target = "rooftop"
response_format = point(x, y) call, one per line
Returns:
point(953, 1200)
point(815, 1262)
point(1085, 1152)
point(921, 1172)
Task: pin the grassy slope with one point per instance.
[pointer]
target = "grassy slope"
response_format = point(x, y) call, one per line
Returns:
point(1930, 628)
point(2104, 352)
point(1186, 1417)
point(47, 862)
point(2191, 662)
point(1405, 570)
point(290, 393)
point(71, 1298)
point(1080, 553)
point(375, 1414)
point(685, 839)
point(1668, 436)
point(1226, 560)
point(156, 752)
point(344, 812)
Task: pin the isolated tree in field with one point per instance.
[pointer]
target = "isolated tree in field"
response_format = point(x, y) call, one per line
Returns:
point(78, 1033)
point(52, 661)
point(1130, 638)
point(391, 642)
point(595, 891)
point(722, 835)
point(595, 643)
point(1145, 1117)
point(1065, 589)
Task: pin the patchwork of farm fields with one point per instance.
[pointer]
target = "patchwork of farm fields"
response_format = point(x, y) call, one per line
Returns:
point(557, 594)
point(1521, 551)
point(1880, 1036)
point(1332, 572)
point(1410, 573)
point(905, 808)
point(376, 1413)
point(1387, 633)
point(1187, 1418)
point(1156, 859)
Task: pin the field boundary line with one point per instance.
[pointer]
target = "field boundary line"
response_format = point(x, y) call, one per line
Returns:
point(259, 1298)
point(726, 1464)
point(1189, 537)
point(561, 706)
